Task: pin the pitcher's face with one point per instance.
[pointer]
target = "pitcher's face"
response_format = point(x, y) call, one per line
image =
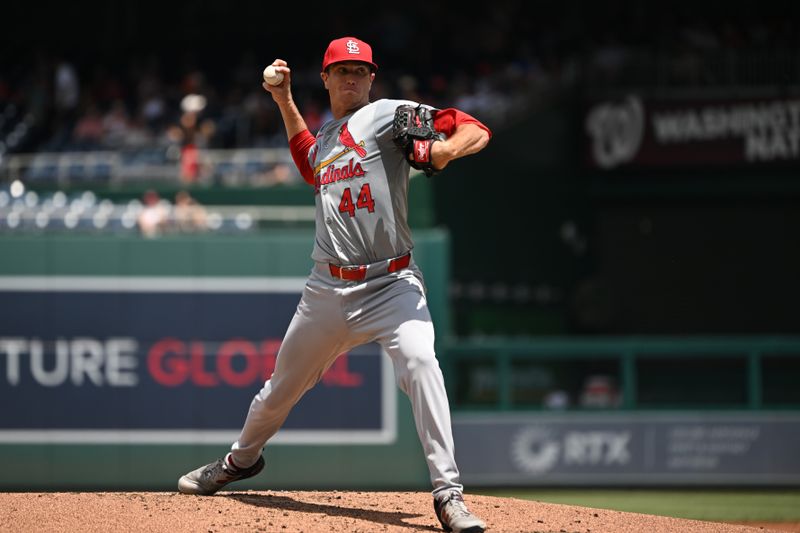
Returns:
point(348, 83)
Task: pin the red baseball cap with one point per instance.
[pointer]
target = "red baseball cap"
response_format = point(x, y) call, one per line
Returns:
point(348, 49)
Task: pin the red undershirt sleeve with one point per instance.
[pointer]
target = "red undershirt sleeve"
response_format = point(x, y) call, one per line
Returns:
point(300, 145)
point(449, 119)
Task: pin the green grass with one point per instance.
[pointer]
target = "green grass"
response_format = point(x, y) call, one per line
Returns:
point(718, 505)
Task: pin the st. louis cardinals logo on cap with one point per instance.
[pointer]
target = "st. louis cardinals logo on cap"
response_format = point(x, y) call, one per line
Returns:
point(348, 49)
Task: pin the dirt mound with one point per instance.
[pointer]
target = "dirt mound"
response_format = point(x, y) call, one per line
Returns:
point(311, 511)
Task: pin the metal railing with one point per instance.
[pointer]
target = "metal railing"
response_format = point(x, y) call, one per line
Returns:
point(31, 212)
point(615, 373)
point(236, 167)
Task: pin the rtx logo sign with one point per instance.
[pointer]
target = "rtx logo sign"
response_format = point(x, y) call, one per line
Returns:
point(542, 449)
point(596, 448)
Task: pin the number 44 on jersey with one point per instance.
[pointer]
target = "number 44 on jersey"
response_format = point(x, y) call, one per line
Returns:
point(364, 201)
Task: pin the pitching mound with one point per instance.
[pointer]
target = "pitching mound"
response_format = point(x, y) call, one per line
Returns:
point(283, 511)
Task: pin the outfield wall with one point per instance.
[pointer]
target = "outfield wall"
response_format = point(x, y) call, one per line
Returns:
point(126, 362)
point(629, 449)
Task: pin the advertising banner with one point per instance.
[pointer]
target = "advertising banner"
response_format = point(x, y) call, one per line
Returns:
point(619, 449)
point(169, 360)
point(634, 132)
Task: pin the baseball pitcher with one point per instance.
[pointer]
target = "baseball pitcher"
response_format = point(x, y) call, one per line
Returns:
point(365, 285)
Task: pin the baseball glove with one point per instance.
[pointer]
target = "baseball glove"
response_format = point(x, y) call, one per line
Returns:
point(413, 133)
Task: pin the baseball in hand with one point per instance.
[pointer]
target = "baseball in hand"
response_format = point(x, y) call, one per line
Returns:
point(271, 76)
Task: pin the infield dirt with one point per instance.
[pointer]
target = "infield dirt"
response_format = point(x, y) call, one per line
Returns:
point(313, 511)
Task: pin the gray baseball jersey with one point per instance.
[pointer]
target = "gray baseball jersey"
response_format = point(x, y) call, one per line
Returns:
point(361, 184)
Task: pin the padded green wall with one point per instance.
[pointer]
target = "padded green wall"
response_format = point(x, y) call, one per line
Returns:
point(157, 467)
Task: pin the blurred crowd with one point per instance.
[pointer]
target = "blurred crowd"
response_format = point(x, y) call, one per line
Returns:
point(152, 215)
point(493, 64)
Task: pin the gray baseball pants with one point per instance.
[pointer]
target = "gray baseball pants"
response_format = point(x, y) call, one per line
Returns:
point(334, 316)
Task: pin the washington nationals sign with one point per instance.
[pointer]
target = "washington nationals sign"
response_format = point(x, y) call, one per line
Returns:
point(636, 132)
point(167, 360)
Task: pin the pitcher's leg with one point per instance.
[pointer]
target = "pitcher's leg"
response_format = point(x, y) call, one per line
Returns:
point(418, 374)
point(313, 340)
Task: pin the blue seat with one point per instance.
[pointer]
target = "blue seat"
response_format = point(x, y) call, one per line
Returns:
point(77, 172)
point(43, 173)
point(224, 168)
point(101, 171)
point(254, 167)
